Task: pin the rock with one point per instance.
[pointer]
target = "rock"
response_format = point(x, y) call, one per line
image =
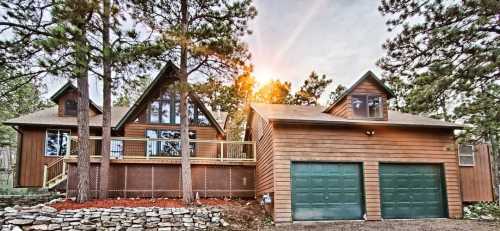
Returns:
point(224, 223)
point(488, 217)
point(54, 227)
point(215, 219)
point(42, 220)
point(10, 210)
point(20, 221)
point(48, 209)
point(39, 227)
point(16, 228)
point(187, 219)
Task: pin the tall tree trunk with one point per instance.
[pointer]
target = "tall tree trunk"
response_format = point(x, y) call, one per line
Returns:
point(106, 117)
point(83, 122)
point(187, 188)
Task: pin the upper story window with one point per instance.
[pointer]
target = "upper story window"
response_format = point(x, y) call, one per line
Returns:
point(166, 110)
point(466, 155)
point(56, 142)
point(367, 106)
point(70, 107)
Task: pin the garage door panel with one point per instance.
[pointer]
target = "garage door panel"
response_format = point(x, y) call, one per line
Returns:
point(411, 191)
point(326, 191)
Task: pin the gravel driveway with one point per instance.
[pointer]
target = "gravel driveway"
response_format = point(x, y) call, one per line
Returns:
point(410, 225)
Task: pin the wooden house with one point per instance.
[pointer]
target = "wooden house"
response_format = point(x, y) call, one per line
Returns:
point(354, 159)
point(145, 147)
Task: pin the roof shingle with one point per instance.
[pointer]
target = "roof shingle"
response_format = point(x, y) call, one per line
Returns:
point(315, 115)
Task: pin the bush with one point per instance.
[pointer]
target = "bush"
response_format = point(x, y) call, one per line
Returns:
point(482, 211)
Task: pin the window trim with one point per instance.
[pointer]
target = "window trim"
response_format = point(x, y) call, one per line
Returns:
point(466, 155)
point(173, 109)
point(158, 130)
point(46, 139)
point(65, 112)
point(381, 117)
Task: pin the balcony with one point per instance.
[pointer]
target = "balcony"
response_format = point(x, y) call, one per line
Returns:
point(160, 150)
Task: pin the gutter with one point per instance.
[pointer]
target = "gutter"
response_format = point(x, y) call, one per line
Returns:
point(347, 123)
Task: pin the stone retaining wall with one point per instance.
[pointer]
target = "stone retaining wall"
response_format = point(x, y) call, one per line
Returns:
point(27, 200)
point(43, 217)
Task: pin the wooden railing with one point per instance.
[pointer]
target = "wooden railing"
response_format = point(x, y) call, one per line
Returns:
point(54, 172)
point(161, 148)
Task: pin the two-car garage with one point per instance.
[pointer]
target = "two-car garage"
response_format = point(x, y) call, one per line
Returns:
point(334, 191)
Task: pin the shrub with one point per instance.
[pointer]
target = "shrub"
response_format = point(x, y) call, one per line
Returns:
point(483, 211)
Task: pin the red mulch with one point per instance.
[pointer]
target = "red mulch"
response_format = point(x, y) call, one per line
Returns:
point(132, 202)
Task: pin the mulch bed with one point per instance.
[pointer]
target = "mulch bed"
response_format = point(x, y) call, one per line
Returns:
point(139, 202)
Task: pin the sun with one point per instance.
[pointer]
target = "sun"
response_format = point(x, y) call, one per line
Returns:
point(262, 75)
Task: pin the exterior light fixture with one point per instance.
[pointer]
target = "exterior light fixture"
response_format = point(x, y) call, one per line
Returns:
point(370, 132)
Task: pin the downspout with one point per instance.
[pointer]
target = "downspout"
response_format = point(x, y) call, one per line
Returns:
point(18, 156)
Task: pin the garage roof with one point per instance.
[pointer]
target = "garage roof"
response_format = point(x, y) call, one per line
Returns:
point(314, 115)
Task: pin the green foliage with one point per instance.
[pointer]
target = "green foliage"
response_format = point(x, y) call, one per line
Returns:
point(312, 89)
point(335, 95)
point(25, 99)
point(444, 61)
point(274, 92)
point(131, 92)
point(482, 210)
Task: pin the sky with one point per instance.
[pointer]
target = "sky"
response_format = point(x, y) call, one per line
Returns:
point(339, 38)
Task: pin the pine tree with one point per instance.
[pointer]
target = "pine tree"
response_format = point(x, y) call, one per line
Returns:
point(274, 92)
point(204, 37)
point(444, 62)
point(335, 95)
point(312, 89)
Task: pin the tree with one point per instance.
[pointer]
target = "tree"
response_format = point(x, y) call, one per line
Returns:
point(444, 62)
point(37, 44)
point(335, 95)
point(127, 94)
point(25, 99)
point(274, 92)
point(312, 89)
point(204, 37)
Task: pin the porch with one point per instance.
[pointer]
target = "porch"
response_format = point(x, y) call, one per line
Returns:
point(149, 153)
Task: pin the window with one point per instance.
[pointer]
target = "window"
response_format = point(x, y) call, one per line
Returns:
point(166, 110)
point(70, 107)
point(116, 149)
point(367, 106)
point(56, 142)
point(167, 148)
point(466, 155)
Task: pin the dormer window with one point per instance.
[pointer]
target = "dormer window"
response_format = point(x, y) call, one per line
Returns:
point(70, 107)
point(367, 106)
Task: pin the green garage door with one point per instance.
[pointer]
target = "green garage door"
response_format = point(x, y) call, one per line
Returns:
point(412, 191)
point(326, 191)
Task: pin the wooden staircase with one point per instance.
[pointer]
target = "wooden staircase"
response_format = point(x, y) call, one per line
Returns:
point(54, 173)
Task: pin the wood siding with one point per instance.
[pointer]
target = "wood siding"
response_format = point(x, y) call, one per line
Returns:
point(369, 86)
point(476, 180)
point(350, 144)
point(264, 157)
point(72, 94)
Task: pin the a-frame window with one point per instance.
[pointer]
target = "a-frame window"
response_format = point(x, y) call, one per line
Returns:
point(166, 110)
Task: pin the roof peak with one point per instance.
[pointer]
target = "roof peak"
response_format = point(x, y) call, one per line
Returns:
point(368, 74)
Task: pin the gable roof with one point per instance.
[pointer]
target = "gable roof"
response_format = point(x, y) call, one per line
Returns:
point(69, 86)
point(49, 117)
point(303, 114)
point(368, 74)
point(159, 79)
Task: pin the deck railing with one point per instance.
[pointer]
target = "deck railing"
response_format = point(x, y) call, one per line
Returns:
point(162, 148)
point(54, 172)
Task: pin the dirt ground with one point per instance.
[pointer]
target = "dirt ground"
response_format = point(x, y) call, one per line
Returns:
point(407, 225)
point(249, 215)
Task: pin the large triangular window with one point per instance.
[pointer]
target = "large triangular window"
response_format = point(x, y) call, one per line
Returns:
point(165, 110)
